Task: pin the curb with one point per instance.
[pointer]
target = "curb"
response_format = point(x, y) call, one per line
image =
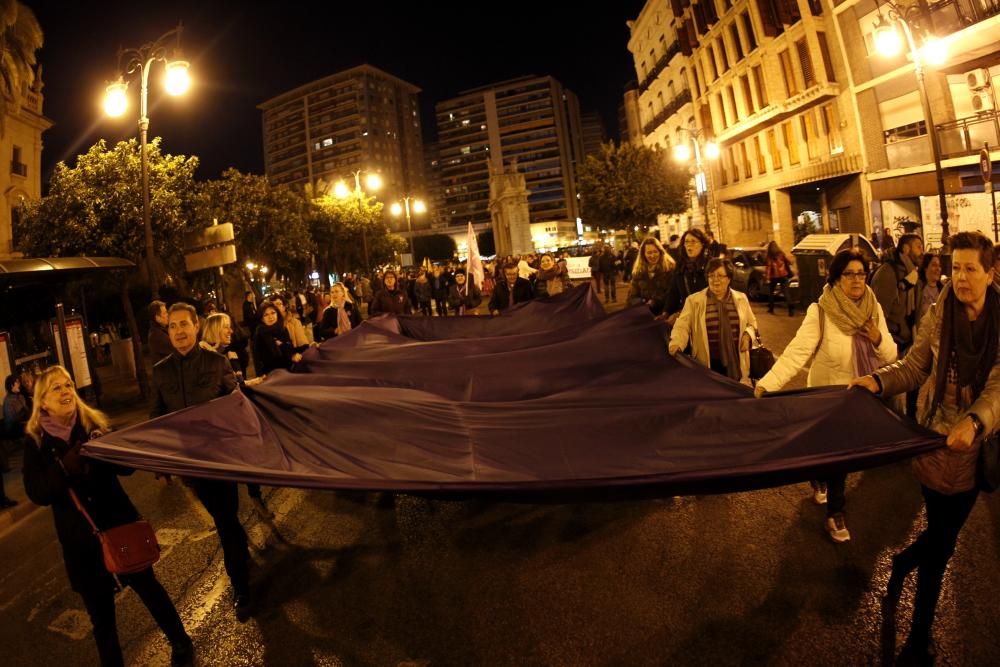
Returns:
point(22, 510)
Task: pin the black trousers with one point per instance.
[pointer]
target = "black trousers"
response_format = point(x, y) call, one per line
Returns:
point(441, 305)
point(836, 495)
point(770, 297)
point(222, 500)
point(931, 552)
point(100, 603)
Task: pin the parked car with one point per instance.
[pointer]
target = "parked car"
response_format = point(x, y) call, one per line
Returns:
point(750, 277)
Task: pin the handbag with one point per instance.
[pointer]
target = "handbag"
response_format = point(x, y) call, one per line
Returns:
point(128, 548)
point(988, 465)
point(761, 358)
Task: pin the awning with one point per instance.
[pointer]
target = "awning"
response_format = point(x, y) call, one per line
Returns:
point(59, 268)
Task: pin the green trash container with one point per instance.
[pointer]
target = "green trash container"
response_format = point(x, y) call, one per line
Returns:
point(813, 255)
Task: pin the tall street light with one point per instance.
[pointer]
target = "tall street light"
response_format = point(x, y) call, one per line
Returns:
point(166, 49)
point(418, 207)
point(934, 52)
point(341, 191)
point(682, 153)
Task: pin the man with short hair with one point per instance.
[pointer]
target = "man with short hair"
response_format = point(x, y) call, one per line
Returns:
point(159, 339)
point(192, 375)
point(509, 291)
point(897, 287)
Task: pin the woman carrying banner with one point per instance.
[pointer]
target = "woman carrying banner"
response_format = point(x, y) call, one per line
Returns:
point(340, 316)
point(954, 356)
point(718, 323)
point(651, 276)
point(552, 277)
point(272, 348)
point(843, 336)
point(60, 423)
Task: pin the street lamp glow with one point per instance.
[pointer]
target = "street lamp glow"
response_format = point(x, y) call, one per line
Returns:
point(373, 182)
point(251, 266)
point(711, 150)
point(682, 152)
point(934, 51)
point(177, 80)
point(263, 270)
point(396, 209)
point(419, 207)
point(887, 39)
point(115, 99)
point(340, 190)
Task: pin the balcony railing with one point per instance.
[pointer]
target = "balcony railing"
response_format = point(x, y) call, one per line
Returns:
point(950, 16)
point(664, 60)
point(967, 135)
point(19, 168)
point(672, 107)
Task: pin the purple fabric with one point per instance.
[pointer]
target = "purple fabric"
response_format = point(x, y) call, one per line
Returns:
point(565, 403)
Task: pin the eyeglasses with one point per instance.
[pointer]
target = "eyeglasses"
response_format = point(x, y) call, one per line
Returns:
point(718, 277)
point(854, 275)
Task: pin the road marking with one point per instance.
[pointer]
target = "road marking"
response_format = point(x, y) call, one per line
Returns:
point(72, 623)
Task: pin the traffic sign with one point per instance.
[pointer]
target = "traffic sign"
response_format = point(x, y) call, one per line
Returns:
point(986, 165)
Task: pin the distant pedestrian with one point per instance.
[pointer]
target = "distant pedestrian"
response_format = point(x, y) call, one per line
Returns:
point(777, 272)
point(609, 274)
point(250, 312)
point(932, 283)
point(159, 340)
point(60, 423)
point(628, 261)
point(423, 294)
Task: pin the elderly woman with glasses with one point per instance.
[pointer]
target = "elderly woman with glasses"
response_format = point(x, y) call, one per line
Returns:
point(844, 335)
point(717, 322)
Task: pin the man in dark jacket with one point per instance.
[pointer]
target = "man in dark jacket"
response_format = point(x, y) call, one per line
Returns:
point(192, 375)
point(609, 272)
point(510, 290)
point(897, 287)
point(159, 339)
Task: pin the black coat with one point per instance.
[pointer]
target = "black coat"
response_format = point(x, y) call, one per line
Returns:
point(394, 302)
point(470, 296)
point(327, 327)
point(159, 342)
point(501, 294)
point(197, 377)
point(272, 349)
point(97, 487)
point(683, 284)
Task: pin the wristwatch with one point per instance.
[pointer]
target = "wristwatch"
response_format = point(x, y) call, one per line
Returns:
point(976, 423)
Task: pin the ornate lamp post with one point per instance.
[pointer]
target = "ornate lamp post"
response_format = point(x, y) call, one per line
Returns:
point(682, 153)
point(933, 51)
point(418, 207)
point(341, 191)
point(166, 49)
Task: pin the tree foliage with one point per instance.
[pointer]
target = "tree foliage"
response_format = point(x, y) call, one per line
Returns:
point(95, 207)
point(435, 246)
point(342, 227)
point(20, 37)
point(628, 185)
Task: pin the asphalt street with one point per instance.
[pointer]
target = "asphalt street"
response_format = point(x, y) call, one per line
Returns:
point(356, 579)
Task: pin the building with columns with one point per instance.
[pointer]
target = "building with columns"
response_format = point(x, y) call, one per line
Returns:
point(21, 175)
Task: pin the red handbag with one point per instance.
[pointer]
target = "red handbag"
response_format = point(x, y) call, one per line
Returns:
point(127, 549)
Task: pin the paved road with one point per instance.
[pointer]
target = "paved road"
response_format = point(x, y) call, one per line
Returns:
point(348, 579)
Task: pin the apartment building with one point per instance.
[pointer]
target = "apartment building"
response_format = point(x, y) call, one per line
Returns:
point(361, 118)
point(900, 167)
point(533, 120)
point(593, 132)
point(21, 175)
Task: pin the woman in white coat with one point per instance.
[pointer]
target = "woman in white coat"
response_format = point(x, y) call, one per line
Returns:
point(718, 324)
point(844, 334)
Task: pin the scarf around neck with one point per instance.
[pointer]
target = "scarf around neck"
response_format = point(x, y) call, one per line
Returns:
point(55, 428)
point(343, 320)
point(729, 346)
point(973, 344)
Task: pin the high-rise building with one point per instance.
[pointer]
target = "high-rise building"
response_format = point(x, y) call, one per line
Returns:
point(532, 120)
point(361, 118)
point(593, 132)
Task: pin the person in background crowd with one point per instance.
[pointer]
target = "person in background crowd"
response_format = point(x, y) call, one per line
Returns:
point(250, 312)
point(609, 274)
point(931, 283)
point(285, 304)
point(954, 357)
point(509, 291)
point(15, 417)
point(340, 316)
point(159, 340)
point(595, 267)
point(777, 271)
point(439, 290)
point(853, 339)
point(390, 299)
point(365, 294)
point(272, 347)
point(896, 285)
point(192, 375)
point(651, 276)
point(690, 274)
point(996, 265)
point(715, 249)
point(628, 261)
point(59, 424)
point(674, 248)
point(887, 242)
point(552, 278)
point(718, 324)
point(464, 297)
point(423, 292)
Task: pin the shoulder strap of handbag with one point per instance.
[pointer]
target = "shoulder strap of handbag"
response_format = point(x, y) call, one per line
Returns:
point(822, 331)
point(79, 506)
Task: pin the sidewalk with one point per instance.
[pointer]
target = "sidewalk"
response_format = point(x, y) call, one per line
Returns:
point(120, 399)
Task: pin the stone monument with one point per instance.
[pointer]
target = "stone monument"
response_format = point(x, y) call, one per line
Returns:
point(509, 209)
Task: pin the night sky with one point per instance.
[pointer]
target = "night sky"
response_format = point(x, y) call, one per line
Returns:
point(242, 55)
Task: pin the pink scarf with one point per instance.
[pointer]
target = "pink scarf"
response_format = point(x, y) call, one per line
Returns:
point(343, 321)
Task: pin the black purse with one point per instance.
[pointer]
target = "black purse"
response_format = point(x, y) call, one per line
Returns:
point(988, 466)
point(761, 358)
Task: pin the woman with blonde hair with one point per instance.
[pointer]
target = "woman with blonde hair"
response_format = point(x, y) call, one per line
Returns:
point(59, 425)
point(340, 316)
point(651, 276)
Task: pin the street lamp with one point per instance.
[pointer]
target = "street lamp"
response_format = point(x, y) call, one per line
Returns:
point(139, 61)
point(418, 207)
point(888, 43)
point(341, 191)
point(682, 153)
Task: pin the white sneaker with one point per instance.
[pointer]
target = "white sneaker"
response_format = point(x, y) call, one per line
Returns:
point(819, 492)
point(837, 528)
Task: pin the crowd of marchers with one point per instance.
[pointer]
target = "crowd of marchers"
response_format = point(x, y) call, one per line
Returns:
point(924, 342)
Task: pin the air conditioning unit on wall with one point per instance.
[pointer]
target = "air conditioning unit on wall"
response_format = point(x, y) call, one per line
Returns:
point(982, 101)
point(978, 79)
